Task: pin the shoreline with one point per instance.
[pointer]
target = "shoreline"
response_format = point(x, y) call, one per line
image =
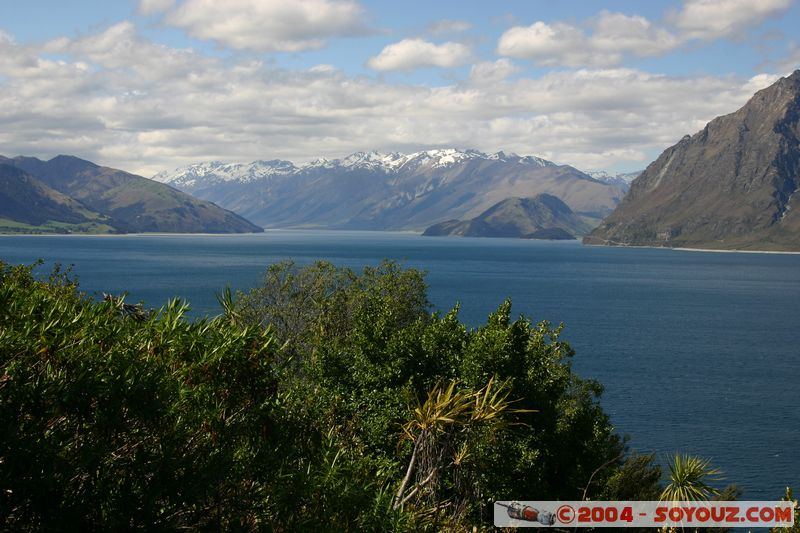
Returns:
point(122, 234)
point(171, 234)
point(782, 252)
point(405, 232)
point(685, 249)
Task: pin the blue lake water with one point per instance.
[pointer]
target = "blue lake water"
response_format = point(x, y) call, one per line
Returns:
point(699, 352)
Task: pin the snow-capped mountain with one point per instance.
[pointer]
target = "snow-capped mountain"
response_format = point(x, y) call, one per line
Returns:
point(372, 190)
point(622, 179)
point(391, 163)
point(215, 171)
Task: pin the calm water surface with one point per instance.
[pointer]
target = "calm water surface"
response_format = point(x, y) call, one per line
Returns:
point(699, 352)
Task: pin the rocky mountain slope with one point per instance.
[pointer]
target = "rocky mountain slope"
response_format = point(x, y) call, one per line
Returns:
point(68, 190)
point(388, 191)
point(541, 217)
point(732, 185)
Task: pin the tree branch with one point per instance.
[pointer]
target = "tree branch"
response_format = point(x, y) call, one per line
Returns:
point(419, 486)
point(403, 484)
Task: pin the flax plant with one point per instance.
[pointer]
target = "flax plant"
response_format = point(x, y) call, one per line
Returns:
point(440, 428)
point(688, 479)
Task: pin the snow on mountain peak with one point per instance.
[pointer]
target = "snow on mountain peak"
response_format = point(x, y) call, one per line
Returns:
point(219, 171)
point(319, 162)
point(394, 161)
point(440, 158)
point(211, 172)
point(371, 160)
point(621, 178)
point(598, 174)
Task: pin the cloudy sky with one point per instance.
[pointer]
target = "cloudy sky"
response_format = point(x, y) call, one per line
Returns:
point(148, 85)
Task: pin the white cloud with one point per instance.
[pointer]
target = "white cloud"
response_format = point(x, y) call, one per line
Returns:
point(151, 7)
point(619, 33)
point(608, 38)
point(269, 25)
point(713, 19)
point(410, 54)
point(6, 38)
point(492, 71)
point(551, 44)
point(121, 48)
point(323, 68)
point(759, 81)
point(126, 102)
point(448, 26)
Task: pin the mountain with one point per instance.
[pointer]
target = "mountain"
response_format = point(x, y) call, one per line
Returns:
point(732, 185)
point(124, 202)
point(388, 191)
point(27, 204)
point(622, 179)
point(541, 217)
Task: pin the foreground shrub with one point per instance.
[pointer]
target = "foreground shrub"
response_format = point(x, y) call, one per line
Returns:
point(324, 399)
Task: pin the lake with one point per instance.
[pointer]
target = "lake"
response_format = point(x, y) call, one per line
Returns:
point(699, 352)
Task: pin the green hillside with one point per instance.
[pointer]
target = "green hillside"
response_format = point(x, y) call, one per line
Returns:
point(29, 206)
point(68, 194)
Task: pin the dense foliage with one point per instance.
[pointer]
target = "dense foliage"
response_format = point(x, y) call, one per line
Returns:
point(323, 399)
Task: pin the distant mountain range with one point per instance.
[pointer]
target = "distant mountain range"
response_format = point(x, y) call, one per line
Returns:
point(389, 191)
point(541, 217)
point(622, 179)
point(71, 195)
point(733, 185)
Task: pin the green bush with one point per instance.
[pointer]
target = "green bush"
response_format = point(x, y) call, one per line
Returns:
point(287, 412)
point(110, 422)
point(370, 349)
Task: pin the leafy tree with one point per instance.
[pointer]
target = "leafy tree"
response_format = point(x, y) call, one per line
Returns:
point(637, 479)
point(322, 399)
point(307, 305)
point(389, 353)
point(108, 422)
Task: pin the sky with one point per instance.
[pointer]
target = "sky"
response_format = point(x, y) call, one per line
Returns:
point(151, 85)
